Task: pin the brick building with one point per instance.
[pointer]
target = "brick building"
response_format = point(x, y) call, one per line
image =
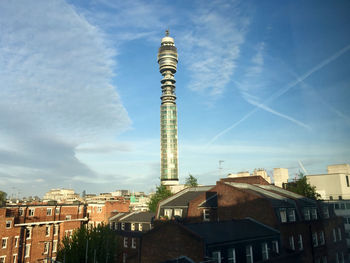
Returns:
point(131, 226)
point(99, 212)
point(31, 233)
point(224, 241)
point(307, 226)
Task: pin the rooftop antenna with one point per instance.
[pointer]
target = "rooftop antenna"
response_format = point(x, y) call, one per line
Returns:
point(220, 167)
point(167, 32)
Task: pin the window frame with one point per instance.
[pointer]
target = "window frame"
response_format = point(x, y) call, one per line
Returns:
point(231, 255)
point(49, 211)
point(291, 242)
point(4, 242)
point(206, 214)
point(300, 242)
point(27, 251)
point(264, 251)
point(31, 211)
point(216, 256)
point(125, 242)
point(249, 254)
point(133, 242)
point(47, 230)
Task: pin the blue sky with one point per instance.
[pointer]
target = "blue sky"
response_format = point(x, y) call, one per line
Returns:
point(260, 84)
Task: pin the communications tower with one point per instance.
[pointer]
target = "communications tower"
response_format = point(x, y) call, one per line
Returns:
point(167, 60)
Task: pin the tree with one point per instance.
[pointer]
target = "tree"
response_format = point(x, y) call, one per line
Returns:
point(100, 244)
point(191, 181)
point(161, 194)
point(302, 187)
point(2, 198)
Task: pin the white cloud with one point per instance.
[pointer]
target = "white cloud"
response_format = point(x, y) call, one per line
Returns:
point(56, 89)
point(210, 49)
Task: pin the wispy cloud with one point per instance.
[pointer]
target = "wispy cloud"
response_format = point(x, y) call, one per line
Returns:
point(210, 49)
point(56, 91)
point(282, 91)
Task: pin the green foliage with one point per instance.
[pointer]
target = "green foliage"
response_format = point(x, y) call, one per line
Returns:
point(2, 198)
point(191, 181)
point(102, 245)
point(302, 187)
point(161, 194)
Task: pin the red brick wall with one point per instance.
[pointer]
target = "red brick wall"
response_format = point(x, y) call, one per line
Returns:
point(100, 213)
point(169, 241)
point(234, 203)
point(38, 224)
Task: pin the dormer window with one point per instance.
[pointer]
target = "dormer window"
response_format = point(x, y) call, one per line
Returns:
point(313, 213)
point(291, 214)
point(307, 214)
point(325, 212)
point(283, 215)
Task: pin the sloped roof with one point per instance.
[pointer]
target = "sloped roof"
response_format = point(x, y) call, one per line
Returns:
point(231, 231)
point(144, 217)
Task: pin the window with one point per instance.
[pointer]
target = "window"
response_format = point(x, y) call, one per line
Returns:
point(21, 212)
point(54, 246)
point(27, 251)
point(47, 231)
point(216, 255)
point(132, 226)
point(122, 226)
point(55, 230)
point(125, 242)
point(283, 215)
point(99, 209)
point(178, 212)
point(46, 247)
point(168, 213)
point(206, 215)
point(325, 212)
point(306, 213)
point(342, 206)
point(31, 212)
point(49, 211)
point(133, 242)
point(68, 217)
point(29, 233)
point(339, 234)
point(264, 251)
point(140, 227)
point(321, 237)
point(8, 223)
point(249, 254)
point(336, 206)
point(291, 215)
point(275, 247)
point(347, 181)
point(16, 241)
point(313, 213)
point(334, 235)
point(124, 257)
point(2, 259)
point(57, 210)
point(300, 242)
point(231, 255)
point(291, 243)
point(14, 258)
point(314, 239)
point(4, 242)
point(80, 209)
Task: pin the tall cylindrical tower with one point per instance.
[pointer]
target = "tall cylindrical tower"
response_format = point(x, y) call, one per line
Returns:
point(167, 60)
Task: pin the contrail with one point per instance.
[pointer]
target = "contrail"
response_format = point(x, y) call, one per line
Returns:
point(283, 91)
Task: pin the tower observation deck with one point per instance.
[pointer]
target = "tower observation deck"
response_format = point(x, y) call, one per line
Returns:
point(167, 60)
